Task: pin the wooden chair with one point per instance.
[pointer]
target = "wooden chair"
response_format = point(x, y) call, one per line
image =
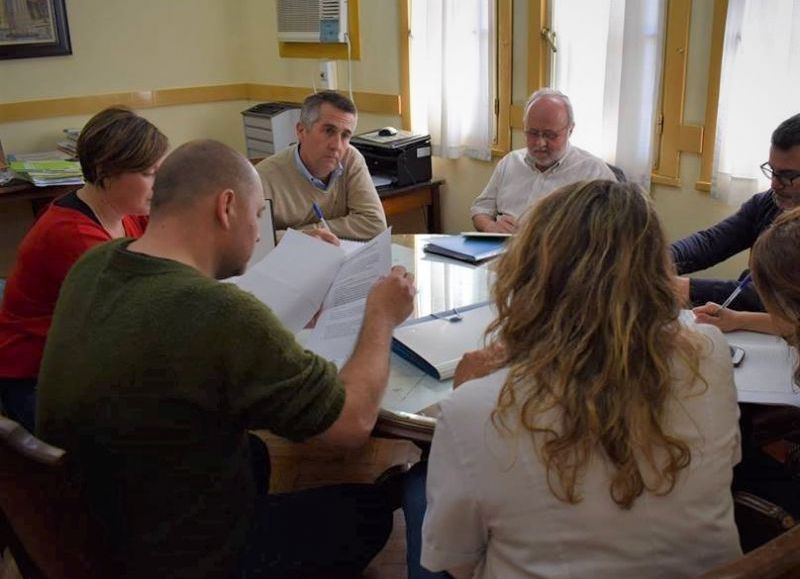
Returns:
point(778, 559)
point(618, 173)
point(759, 520)
point(42, 518)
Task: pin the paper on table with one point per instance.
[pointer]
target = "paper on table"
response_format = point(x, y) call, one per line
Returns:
point(294, 293)
point(765, 374)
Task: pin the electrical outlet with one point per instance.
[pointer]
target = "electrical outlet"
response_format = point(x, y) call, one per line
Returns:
point(327, 74)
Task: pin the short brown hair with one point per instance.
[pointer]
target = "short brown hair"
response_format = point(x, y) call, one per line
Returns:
point(117, 140)
point(774, 265)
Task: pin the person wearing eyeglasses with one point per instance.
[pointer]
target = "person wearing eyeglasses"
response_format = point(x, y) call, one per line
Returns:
point(548, 162)
point(737, 233)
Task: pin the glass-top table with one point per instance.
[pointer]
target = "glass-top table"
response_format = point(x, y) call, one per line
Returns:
point(409, 405)
point(442, 284)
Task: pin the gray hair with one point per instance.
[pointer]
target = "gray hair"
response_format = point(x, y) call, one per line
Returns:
point(309, 113)
point(549, 93)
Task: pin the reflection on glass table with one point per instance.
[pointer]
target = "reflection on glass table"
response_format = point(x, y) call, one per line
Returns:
point(442, 284)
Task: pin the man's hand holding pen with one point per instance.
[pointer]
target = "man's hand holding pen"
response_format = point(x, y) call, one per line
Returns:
point(719, 315)
point(324, 233)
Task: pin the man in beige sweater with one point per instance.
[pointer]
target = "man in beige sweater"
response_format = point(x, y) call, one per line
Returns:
point(323, 168)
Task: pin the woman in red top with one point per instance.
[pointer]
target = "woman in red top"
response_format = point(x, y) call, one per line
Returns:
point(119, 153)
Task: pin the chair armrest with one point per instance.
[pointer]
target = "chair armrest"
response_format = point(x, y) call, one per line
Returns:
point(759, 520)
point(778, 559)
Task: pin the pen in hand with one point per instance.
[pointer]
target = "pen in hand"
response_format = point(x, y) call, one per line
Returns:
point(742, 284)
point(320, 216)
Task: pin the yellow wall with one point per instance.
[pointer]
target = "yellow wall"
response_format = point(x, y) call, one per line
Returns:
point(152, 44)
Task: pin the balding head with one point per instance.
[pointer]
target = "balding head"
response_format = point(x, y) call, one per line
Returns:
point(197, 169)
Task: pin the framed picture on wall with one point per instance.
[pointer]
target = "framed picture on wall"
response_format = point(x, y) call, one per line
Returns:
point(31, 28)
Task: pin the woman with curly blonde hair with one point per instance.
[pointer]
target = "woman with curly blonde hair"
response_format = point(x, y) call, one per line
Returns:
point(600, 435)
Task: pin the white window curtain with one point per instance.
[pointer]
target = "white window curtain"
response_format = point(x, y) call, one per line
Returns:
point(759, 88)
point(451, 75)
point(609, 62)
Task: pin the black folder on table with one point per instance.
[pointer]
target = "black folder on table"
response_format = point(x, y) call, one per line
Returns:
point(469, 249)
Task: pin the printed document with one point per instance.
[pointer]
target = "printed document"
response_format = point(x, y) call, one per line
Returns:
point(336, 330)
point(304, 275)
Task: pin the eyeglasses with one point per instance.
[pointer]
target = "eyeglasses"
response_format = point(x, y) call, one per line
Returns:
point(547, 135)
point(785, 178)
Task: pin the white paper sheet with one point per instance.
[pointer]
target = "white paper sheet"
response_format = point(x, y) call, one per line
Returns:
point(337, 328)
point(765, 374)
point(294, 278)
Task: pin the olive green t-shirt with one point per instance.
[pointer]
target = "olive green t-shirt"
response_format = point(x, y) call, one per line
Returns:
point(152, 374)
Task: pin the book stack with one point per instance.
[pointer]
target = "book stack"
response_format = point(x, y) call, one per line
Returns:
point(45, 169)
point(69, 144)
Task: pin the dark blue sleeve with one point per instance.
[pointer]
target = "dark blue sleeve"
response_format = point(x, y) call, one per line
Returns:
point(711, 246)
point(717, 291)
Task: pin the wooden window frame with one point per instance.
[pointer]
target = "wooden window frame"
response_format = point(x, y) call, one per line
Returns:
point(503, 108)
point(675, 136)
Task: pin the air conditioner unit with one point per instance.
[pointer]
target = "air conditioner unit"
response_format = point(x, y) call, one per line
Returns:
point(312, 20)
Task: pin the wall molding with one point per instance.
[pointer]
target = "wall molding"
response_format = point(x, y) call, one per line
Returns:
point(386, 104)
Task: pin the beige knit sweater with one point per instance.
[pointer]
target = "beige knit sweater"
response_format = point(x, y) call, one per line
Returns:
point(351, 205)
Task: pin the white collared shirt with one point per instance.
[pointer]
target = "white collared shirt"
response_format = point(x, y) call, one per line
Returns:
point(516, 183)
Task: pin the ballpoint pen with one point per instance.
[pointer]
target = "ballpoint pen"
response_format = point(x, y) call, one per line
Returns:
point(742, 284)
point(320, 216)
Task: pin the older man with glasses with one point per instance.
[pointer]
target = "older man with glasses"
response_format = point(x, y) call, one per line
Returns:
point(737, 233)
point(548, 162)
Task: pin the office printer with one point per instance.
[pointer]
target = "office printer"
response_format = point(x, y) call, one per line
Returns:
point(395, 160)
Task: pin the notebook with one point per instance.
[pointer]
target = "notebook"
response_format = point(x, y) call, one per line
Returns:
point(436, 343)
point(469, 249)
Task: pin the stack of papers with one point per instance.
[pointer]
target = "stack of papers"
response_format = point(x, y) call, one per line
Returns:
point(69, 145)
point(45, 169)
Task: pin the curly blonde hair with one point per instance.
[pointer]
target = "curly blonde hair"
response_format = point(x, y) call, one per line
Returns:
point(590, 324)
point(774, 260)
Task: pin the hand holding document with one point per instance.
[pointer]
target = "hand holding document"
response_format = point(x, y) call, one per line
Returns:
point(337, 328)
point(294, 277)
point(303, 274)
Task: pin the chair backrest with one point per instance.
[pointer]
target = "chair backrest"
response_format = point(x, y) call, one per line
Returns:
point(777, 559)
point(42, 517)
point(618, 173)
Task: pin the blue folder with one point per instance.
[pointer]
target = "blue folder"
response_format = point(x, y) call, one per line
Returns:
point(470, 249)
